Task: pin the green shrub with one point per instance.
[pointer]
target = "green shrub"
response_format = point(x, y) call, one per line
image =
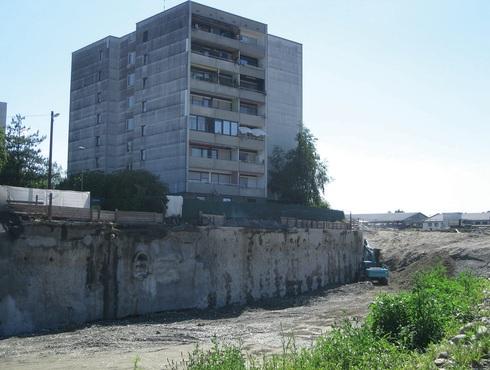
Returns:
point(225, 357)
point(436, 305)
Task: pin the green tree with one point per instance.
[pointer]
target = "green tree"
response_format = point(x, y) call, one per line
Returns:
point(126, 190)
point(25, 165)
point(300, 175)
point(3, 150)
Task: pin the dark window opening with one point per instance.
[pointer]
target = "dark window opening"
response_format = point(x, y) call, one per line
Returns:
point(212, 125)
point(212, 52)
point(249, 108)
point(145, 36)
point(249, 61)
point(251, 83)
point(211, 102)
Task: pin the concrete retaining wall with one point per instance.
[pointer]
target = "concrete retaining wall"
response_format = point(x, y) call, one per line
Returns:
point(62, 275)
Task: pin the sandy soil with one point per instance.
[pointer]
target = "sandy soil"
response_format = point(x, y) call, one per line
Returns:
point(160, 338)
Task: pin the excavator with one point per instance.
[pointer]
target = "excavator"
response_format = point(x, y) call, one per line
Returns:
point(372, 268)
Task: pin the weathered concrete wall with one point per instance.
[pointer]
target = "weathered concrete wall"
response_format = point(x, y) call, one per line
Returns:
point(57, 276)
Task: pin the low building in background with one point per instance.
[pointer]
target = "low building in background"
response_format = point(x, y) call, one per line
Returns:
point(446, 221)
point(442, 221)
point(399, 220)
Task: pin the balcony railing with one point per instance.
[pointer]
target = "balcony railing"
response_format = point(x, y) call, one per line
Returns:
point(209, 102)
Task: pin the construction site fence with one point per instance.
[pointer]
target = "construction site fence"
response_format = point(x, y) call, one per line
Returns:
point(239, 214)
point(85, 214)
point(194, 208)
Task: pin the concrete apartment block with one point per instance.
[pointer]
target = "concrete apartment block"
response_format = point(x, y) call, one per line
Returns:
point(3, 115)
point(195, 95)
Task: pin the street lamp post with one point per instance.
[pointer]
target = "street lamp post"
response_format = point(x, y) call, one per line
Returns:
point(50, 162)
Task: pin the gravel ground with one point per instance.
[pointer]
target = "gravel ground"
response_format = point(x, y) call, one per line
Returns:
point(160, 338)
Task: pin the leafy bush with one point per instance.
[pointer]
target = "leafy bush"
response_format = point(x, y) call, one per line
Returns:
point(436, 305)
point(137, 190)
point(226, 357)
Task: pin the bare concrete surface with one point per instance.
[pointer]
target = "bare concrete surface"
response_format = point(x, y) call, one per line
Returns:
point(170, 336)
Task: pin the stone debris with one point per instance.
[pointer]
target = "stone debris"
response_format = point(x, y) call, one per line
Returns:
point(440, 362)
point(466, 327)
point(458, 338)
point(481, 331)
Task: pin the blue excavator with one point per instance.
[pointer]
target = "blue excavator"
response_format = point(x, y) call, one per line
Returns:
point(372, 268)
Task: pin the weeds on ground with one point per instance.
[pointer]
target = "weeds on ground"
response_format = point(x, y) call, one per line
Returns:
point(402, 331)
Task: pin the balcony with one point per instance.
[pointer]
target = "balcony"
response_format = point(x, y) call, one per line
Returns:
point(252, 95)
point(210, 138)
point(222, 64)
point(212, 164)
point(214, 88)
point(252, 120)
point(206, 188)
point(252, 167)
point(253, 49)
point(215, 113)
point(247, 142)
point(256, 72)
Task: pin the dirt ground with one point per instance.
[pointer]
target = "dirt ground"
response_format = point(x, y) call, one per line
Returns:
point(160, 338)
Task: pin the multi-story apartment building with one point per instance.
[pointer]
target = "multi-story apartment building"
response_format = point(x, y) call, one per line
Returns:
point(195, 95)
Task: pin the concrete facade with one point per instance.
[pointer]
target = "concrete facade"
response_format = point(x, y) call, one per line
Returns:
point(195, 95)
point(3, 115)
point(64, 275)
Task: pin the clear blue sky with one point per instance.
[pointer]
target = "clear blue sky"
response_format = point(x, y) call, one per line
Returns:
point(397, 92)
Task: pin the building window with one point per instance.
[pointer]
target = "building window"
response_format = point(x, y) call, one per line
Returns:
point(146, 59)
point(251, 83)
point(130, 79)
point(130, 101)
point(131, 58)
point(216, 126)
point(211, 52)
point(99, 76)
point(246, 156)
point(97, 141)
point(96, 162)
point(211, 102)
point(143, 154)
point(145, 36)
point(220, 178)
point(143, 106)
point(248, 182)
point(129, 147)
point(249, 108)
point(204, 75)
point(199, 176)
point(145, 80)
point(130, 124)
point(249, 61)
point(204, 152)
point(101, 55)
point(143, 128)
point(99, 118)
point(99, 97)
